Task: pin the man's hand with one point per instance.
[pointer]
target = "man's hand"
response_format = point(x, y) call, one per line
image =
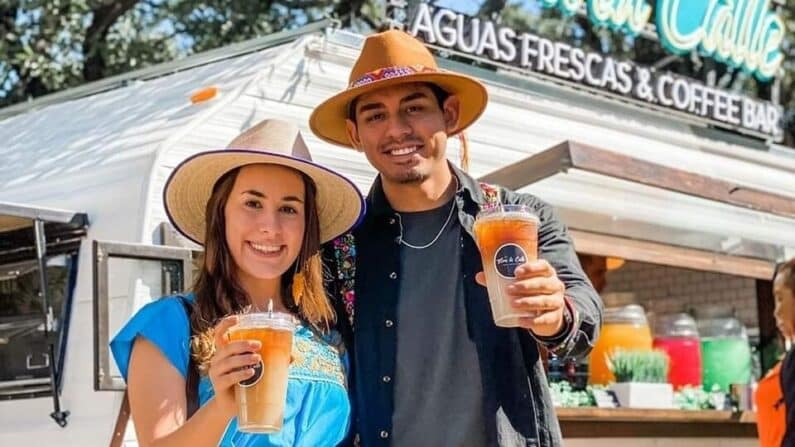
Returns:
point(537, 291)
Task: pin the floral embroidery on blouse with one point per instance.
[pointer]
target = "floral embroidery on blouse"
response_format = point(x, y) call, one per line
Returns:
point(316, 357)
point(345, 254)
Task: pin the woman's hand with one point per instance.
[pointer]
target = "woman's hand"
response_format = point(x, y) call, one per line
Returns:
point(231, 364)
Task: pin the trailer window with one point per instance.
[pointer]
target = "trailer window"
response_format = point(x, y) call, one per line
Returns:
point(29, 326)
point(126, 277)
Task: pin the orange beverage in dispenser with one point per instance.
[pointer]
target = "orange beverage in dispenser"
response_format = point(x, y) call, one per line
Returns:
point(621, 333)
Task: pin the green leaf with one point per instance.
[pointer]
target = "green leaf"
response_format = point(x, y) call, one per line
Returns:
point(639, 365)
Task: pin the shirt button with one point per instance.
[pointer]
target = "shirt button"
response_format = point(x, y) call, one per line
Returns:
point(392, 221)
point(386, 379)
point(389, 323)
point(384, 434)
point(393, 275)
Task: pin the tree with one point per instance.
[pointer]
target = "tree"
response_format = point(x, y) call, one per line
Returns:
point(50, 45)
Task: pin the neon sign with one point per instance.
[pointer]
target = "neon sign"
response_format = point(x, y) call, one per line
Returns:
point(742, 33)
point(628, 15)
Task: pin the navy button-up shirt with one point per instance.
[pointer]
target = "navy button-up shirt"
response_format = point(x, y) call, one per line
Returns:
point(517, 403)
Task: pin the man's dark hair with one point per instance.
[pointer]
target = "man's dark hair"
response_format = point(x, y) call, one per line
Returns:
point(438, 92)
point(787, 271)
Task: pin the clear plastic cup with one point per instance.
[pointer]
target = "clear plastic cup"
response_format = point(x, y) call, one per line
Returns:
point(260, 399)
point(507, 237)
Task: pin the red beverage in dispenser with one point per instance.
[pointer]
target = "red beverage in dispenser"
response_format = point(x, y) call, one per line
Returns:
point(677, 335)
point(685, 356)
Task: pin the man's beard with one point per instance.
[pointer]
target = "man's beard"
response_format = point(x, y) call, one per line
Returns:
point(411, 177)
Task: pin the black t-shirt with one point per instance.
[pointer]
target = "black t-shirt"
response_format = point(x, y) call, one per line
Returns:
point(438, 393)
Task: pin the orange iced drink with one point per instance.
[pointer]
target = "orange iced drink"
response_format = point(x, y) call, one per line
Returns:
point(507, 237)
point(261, 398)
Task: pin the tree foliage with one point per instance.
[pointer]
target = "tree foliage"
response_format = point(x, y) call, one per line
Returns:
point(50, 45)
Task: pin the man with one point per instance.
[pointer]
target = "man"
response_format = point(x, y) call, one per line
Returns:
point(430, 366)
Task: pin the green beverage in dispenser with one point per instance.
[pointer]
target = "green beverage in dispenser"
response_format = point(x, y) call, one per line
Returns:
point(726, 360)
point(725, 351)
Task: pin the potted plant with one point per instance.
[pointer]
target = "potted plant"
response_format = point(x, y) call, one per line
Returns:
point(641, 378)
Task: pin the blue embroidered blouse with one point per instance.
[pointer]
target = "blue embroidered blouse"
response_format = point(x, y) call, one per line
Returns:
point(317, 411)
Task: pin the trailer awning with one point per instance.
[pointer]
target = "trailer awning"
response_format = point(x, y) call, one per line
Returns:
point(62, 230)
point(617, 205)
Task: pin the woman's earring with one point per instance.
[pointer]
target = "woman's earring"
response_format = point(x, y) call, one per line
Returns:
point(299, 285)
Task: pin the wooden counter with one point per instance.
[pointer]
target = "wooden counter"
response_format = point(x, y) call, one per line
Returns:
point(628, 422)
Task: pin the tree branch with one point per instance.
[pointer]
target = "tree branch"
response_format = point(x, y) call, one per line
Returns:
point(103, 19)
point(28, 86)
point(8, 17)
point(346, 11)
point(490, 7)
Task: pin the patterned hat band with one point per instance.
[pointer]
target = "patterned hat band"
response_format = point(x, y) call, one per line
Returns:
point(391, 72)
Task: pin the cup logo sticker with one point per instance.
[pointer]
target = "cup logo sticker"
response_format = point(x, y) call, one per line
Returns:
point(251, 381)
point(507, 258)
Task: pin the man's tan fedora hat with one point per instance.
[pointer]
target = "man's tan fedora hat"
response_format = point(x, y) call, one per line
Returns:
point(389, 58)
point(340, 206)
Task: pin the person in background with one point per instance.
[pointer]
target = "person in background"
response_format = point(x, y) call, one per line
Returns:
point(775, 393)
point(784, 295)
point(595, 268)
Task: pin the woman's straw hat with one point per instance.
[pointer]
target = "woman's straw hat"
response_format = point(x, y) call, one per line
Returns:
point(389, 58)
point(340, 206)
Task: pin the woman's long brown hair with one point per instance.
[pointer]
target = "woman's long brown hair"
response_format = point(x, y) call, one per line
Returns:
point(217, 290)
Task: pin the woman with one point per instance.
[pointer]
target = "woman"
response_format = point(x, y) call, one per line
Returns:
point(784, 295)
point(261, 209)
